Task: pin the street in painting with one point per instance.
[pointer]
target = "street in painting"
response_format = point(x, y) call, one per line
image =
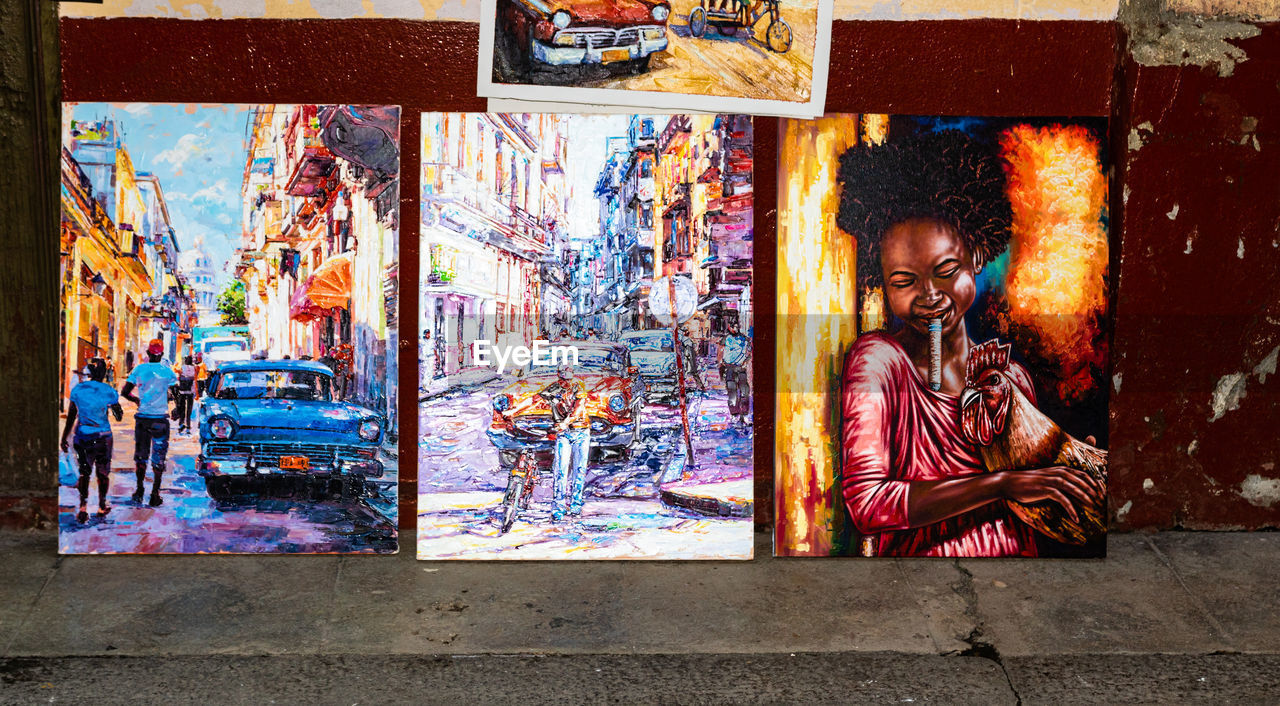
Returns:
point(229, 294)
point(606, 261)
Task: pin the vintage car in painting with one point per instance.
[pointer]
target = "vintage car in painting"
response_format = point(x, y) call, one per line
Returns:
point(615, 396)
point(222, 349)
point(652, 352)
point(272, 427)
point(550, 36)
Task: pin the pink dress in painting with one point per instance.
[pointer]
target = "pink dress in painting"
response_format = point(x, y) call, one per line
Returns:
point(897, 430)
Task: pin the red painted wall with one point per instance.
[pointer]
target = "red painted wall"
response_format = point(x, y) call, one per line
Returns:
point(1199, 294)
point(1184, 320)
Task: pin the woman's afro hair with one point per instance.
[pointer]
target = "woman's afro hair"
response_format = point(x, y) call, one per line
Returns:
point(945, 176)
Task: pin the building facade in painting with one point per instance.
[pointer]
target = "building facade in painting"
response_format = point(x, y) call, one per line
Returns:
point(318, 251)
point(494, 200)
point(120, 283)
point(701, 214)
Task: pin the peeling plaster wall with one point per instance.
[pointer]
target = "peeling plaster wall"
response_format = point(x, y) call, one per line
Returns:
point(469, 10)
point(1196, 423)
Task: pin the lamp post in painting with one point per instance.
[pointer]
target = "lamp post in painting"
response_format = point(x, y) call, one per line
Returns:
point(672, 301)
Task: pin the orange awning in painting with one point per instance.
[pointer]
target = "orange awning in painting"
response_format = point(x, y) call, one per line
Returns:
point(301, 308)
point(330, 286)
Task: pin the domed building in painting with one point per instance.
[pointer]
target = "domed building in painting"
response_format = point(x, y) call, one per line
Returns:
point(197, 266)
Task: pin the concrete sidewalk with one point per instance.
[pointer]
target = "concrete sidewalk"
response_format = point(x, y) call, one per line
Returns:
point(1167, 618)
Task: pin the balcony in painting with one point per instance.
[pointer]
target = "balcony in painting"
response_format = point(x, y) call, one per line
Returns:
point(312, 170)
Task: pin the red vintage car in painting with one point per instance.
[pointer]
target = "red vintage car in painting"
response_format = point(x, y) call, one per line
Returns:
point(537, 39)
point(614, 398)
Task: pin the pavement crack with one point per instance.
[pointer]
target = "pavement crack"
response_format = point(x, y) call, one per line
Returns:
point(31, 607)
point(1219, 630)
point(326, 629)
point(979, 646)
point(933, 637)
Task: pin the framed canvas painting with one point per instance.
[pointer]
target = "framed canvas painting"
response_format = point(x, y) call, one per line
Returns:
point(766, 57)
point(585, 347)
point(229, 328)
point(943, 337)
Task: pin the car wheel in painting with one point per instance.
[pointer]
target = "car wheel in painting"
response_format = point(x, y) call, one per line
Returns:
point(217, 487)
point(698, 22)
point(638, 66)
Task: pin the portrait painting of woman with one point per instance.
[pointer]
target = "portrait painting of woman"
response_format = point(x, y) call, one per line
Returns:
point(939, 441)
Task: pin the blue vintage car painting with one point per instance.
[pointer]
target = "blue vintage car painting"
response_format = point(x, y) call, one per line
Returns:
point(272, 427)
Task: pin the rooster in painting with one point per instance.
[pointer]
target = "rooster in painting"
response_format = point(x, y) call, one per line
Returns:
point(1012, 435)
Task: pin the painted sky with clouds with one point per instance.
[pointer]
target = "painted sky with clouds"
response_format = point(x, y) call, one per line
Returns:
point(198, 152)
point(586, 151)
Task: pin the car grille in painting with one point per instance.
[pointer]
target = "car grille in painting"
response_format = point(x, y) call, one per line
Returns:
point(540, 424)
point(601, 37)
point(270, 452)
point(533, 424)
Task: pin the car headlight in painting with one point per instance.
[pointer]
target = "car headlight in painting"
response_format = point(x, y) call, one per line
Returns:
point(222, 428)
point(617, 403)
point(370, 429)
point(653, 33)
point(560, 19)
point(661, 12)
point(502, 403)
point(563, 39)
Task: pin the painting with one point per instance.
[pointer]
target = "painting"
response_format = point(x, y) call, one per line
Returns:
point(585, 347)
point(943, 337)
point(764, 57)
point(228, 278)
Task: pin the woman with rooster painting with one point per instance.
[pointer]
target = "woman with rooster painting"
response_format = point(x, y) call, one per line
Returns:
point(929, 211)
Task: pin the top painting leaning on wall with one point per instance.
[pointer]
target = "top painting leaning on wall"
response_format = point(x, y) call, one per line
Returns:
point(758, 56)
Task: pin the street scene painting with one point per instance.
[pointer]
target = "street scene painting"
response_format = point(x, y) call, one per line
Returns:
point(585, 337)
point(229, 285)
point(757, 56)
point(943, 337)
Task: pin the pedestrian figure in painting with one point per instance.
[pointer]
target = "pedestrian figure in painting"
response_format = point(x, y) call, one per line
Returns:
point(87, 414)
point(567, 398)
point(185, 394)
point(202, 375)
point(733, 354)
point(152, 380)
point(929, 212)
point(689, 357)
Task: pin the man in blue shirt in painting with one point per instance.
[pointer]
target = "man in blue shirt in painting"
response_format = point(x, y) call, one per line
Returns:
point(151, 422)
point(735, 351)
point(87, 414)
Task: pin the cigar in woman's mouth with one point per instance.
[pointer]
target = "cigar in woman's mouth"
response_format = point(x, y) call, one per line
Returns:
point(935, 353)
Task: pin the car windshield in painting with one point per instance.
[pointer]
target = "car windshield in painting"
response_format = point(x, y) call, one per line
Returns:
point(585, 349)
point(759, 56)
point(943, 337)
point(228, 279)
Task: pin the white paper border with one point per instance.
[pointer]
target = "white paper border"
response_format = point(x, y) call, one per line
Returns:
point(631, 101)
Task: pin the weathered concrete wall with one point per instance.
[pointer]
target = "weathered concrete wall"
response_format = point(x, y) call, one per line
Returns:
point(28, 273)
point(1196, 410)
